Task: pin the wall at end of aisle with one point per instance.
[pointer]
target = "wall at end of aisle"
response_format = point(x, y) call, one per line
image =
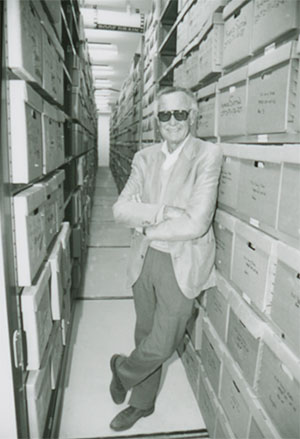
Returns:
point(103, 139)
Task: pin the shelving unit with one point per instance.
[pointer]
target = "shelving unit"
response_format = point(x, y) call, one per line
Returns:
point(48, 192)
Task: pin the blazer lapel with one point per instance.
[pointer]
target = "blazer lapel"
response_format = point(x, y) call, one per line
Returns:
point(180, 171)
point(153, 184)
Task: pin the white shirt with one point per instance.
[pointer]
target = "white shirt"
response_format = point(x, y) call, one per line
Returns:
point(165, 172)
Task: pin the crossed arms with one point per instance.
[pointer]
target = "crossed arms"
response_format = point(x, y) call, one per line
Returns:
point(166, 222)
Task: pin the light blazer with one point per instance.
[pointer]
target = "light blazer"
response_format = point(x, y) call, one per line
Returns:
point(192, 186)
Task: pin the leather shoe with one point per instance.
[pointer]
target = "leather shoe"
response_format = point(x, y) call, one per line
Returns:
point(128, 417)
point(117, 390)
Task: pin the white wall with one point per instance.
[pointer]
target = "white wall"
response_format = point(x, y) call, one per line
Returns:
point(103, 139)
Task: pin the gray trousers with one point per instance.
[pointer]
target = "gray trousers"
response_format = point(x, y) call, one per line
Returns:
point(162, 312)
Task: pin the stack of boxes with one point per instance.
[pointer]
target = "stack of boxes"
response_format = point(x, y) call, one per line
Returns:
point(245, 341)
point(154, 34)
point(246, 336)
point(125, 128)
point(53, 159)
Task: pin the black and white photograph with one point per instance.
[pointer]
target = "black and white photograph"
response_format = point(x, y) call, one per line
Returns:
point(150, 219)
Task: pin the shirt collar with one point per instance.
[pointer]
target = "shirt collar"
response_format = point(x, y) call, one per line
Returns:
point(174, 155)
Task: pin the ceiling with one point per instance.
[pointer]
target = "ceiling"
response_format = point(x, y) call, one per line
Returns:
point(112, 29)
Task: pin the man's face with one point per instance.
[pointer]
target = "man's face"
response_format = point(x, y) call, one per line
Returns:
point(174, 131)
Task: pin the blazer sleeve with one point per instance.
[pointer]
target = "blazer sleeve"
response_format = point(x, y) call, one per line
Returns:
point(197, 218)
point(126, 210)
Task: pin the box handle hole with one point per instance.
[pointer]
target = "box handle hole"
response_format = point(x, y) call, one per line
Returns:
point(251, 246)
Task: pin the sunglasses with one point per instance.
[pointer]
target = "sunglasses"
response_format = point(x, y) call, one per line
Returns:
point(165, 116)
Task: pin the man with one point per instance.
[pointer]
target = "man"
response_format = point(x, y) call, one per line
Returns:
point(169, 200)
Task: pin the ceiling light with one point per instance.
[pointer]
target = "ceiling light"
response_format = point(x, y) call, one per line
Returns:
point(104, 46)
point(106, 83)
point(102, 92)
point(102, 70)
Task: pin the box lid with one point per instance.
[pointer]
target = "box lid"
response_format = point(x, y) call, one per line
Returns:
point(37, 379)
point(230, 149)
point(209, 90)
point(20, 90)
point(212, 337)
point(55, 257)
point(34, 293)
point(256, 239)
point(291, 153)
point(223, 286)
point(232, 7)
point(48, 30)
point(234, 77)
point(60, 175)
point(283, 353)
point(225, 219)
point(30, 199)
point(290, 256)
point(264, 153)
point(272, 58)
point(49, 183)
point(254, 324)
point(65, 233)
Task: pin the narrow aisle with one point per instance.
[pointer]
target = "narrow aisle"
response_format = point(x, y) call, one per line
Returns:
point(103, 325)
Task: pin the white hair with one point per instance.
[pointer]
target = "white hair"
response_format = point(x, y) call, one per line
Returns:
point(168, 90)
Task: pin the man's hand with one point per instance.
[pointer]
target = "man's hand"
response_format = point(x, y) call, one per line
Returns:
point(171, 212)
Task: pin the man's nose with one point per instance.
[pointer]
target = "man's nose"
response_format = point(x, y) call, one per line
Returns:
point(173, 120)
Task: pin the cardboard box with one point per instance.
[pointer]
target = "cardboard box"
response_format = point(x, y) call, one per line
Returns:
point(38, 394)
point(217, 306)
point(191, 362)
point(210, 48)
point(273, 94)
point(24, 35)
point(253, 258)
point(245, 332)
point(77, 139)
point(273, 19)
point(233, 398)
point(60, 200)
point(26, 141)
point(54, 10)
point(254, 431)
point(229, 179)
point(37, 320)
point(64, 237)
point(223, 429)
point(285, 311)
point(56, 356)
point(224, 230)
point(207, 402)
point(211, 354)
point(57, 290)
point(258, 194)
point(232, 103)
point(194, 327)
point(238, 22)
point(54, 204)
point(278, 385)
point(29, 206)
point(207, 110)
point(66, 317)
point(53, 138)
point(289, 207)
